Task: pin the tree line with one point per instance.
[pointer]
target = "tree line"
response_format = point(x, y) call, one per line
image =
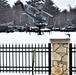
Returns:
point(59, 19)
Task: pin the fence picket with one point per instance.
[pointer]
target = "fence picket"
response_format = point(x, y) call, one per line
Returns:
point(0, 59)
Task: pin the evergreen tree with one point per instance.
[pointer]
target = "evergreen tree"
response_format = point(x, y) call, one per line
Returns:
point(50, 8)
point(4, 10)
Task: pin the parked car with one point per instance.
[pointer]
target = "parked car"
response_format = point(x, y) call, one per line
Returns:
point(55, 29)
point(45, 30)
point(11, 29)
point(70, 27)
point(63, 29)
point(19, 28)
point(32, 29)
point(3, 28)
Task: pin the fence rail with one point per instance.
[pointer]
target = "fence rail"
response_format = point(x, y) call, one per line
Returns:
point(18, 58)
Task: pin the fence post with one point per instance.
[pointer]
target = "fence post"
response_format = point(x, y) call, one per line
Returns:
point(49, 57)
point(59, 54)
point(70, 59)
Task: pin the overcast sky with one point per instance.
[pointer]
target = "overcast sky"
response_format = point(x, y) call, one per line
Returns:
point(62, 4)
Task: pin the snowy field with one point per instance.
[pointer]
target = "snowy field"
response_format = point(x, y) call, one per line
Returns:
point(23, 37)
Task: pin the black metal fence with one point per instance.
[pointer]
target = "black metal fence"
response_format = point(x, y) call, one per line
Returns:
point(72, 59)
point(18, 58)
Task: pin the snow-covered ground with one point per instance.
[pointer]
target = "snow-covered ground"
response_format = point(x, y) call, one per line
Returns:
point(23, 37)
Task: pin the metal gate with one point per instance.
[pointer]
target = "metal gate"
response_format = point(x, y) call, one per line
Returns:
point(18, 58)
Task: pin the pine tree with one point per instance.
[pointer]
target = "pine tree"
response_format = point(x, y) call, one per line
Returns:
point(50, 8)
point(4, 8)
